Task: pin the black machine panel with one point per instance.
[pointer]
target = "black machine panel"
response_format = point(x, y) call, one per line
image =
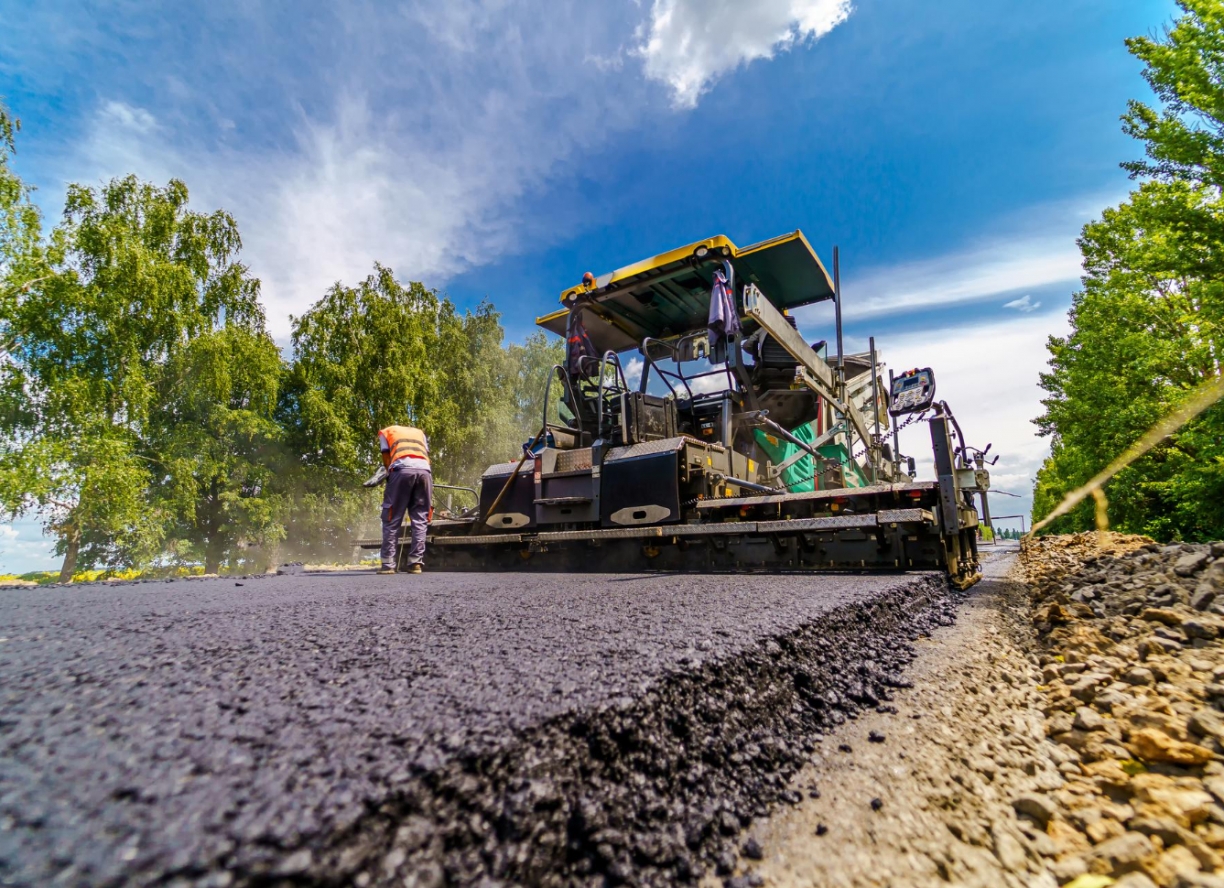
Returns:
point(516, 510)
point(642, 490)
point(912, 392)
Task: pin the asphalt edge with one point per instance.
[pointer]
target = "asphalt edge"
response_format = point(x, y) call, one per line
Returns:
point(650, 791)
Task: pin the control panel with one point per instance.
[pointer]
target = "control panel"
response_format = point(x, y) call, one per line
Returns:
point(912, 391)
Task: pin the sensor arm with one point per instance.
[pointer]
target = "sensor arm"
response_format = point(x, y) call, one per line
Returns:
point(814, 371)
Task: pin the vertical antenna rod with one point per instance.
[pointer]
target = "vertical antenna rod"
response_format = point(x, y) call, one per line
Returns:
point(841, 367)
point(875, 409)
point(895, 425)
point(875, 385)
point(837, 307)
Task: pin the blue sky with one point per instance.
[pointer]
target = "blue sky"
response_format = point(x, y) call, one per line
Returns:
point(953, 150)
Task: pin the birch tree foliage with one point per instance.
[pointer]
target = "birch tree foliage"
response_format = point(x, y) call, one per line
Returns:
point(135, 277)
point(21, 257)
point(1147, 328)
point(385, 353)
point(1184, 139)
point(218, 449)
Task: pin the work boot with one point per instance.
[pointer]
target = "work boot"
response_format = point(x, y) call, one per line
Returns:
point(414, 569)
point(386, 570)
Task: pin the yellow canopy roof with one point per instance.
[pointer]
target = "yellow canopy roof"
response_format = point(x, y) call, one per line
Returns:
point(669, 294)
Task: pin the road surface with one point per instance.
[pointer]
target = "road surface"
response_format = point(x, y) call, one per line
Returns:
point(429, 729)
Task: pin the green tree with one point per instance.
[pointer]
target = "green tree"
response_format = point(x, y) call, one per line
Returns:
point(383, 353)
point(1148, 325)
point(365, 357)
point(135, 277)
point(531, 363)
point(218, 449)
point(21, 254)
point(1146, 329)
point(380, 353)
point(1184, 140)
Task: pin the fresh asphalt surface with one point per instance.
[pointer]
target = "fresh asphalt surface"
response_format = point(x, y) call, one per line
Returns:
point(156, 727)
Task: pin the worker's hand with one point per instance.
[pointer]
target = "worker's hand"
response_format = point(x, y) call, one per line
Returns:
point(377, 478)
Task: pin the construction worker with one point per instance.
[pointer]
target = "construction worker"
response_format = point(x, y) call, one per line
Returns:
point(405, 453)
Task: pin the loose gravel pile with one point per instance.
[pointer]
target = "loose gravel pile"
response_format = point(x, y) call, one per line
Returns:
point(1133, 672)
point(428, 730)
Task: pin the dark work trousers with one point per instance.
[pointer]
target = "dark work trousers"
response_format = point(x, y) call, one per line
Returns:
point(408, 490)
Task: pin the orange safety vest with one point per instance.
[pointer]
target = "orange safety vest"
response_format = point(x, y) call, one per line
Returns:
point(404, 441)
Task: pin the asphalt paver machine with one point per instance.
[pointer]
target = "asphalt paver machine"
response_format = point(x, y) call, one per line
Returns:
point(679, 438)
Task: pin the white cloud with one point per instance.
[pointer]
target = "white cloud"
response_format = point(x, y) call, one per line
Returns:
point(415, 145)
point(633, 371)
point(689, 44)
point(988, 374)
point(1032, 249)
point(350, 191)
point(417, 137)
point(124, 116)
point(973, 275)
point(1025, 304)
point(715, 382)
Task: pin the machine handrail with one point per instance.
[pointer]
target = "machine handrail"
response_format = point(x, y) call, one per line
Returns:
point(569, 388)
point(450, 502)
point(471, 490)
point(725, 370)
point(620, 373)
point(663, 374)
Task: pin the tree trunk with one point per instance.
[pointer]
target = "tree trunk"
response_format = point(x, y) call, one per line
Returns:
point(214, 543)
point(70, 555)
point(268, 553)
point(212, 554)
